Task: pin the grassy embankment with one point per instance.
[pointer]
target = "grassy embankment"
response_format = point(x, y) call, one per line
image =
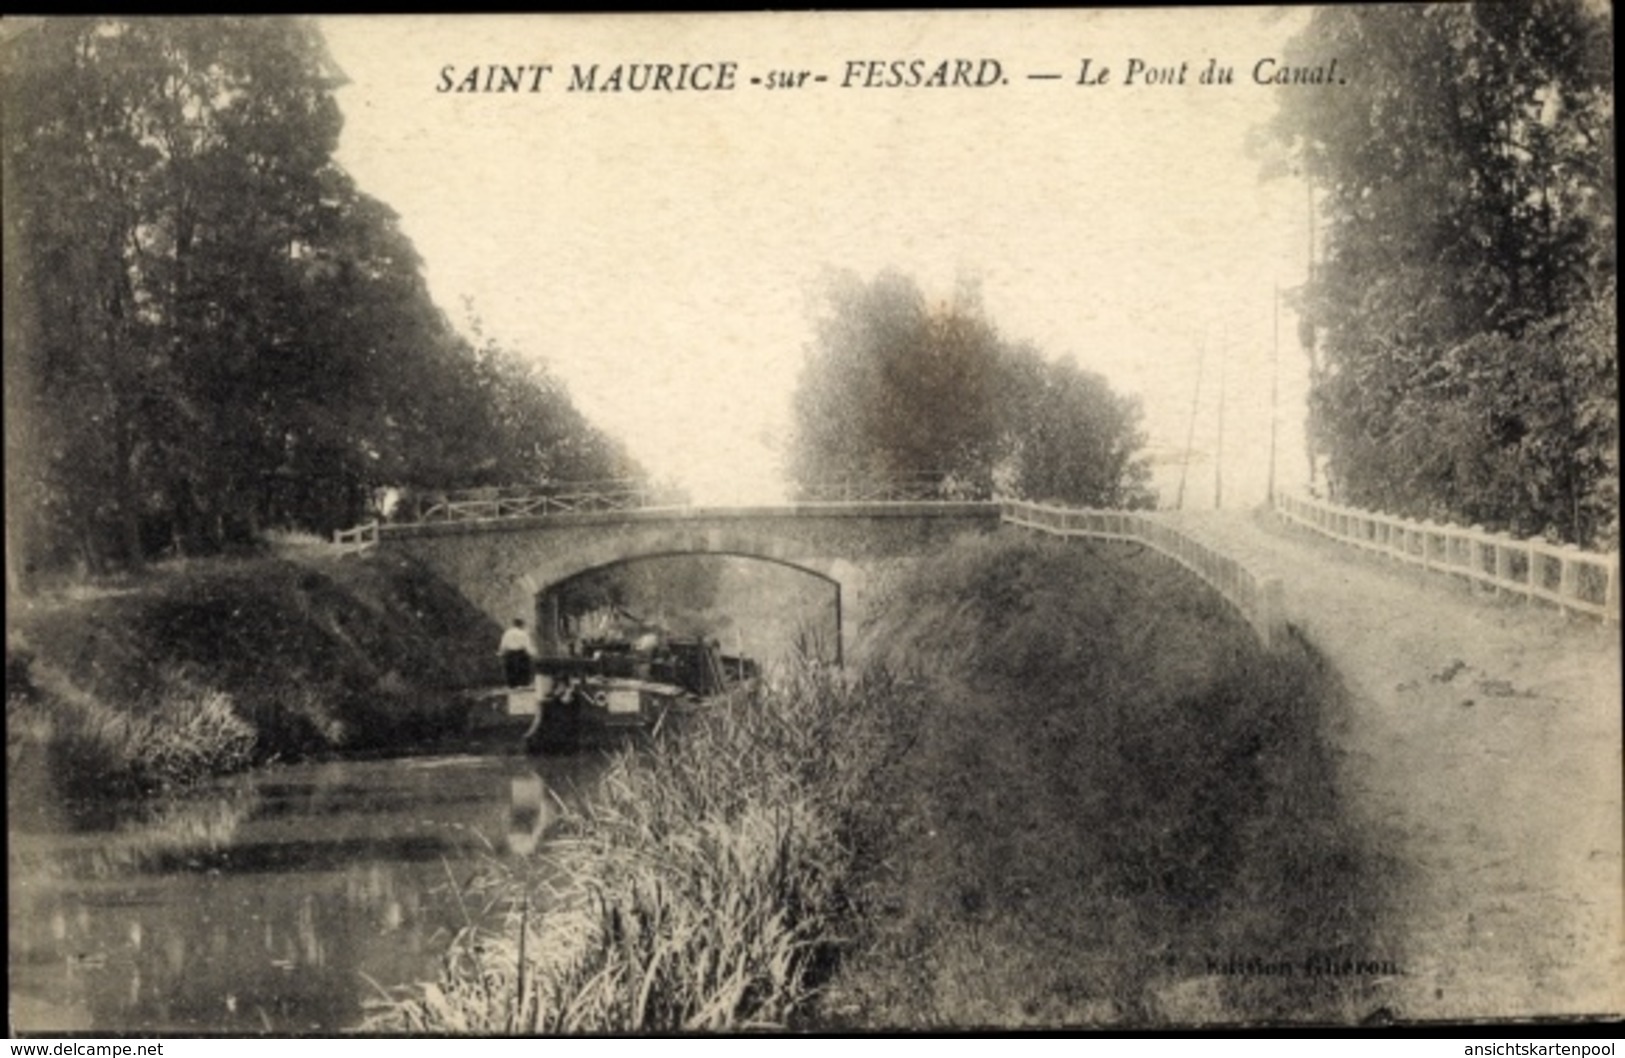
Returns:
point(1090, 787)
point(206, 667)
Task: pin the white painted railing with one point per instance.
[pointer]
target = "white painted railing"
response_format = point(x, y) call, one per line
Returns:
point(1575, 580)
point(361, 538)
point(1256, 597)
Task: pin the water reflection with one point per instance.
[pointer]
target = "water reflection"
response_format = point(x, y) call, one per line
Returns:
point(144, 837)
point(273, 905)
point(533, 808)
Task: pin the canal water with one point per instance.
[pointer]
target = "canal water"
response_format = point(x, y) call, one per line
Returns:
point(277, 902)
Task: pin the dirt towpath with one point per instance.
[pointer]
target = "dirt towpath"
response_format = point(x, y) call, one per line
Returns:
point(1479, 751)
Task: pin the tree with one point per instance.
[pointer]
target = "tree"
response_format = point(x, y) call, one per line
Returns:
point(897, 388)
point(210, 328)
point(1465, 175)
point(1070, 439)
point(160, 176)
point(83, 342)
point(538, 435)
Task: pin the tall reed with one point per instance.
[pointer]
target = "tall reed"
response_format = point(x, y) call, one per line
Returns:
point(702, 881)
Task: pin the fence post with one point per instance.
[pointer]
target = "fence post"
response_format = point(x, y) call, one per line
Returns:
point(1271, 613)
point(1503, 562)
point(1568, 576)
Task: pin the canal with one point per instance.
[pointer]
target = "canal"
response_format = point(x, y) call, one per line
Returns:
point(276, 902)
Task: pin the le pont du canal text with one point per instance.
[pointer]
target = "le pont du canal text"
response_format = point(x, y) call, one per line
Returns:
point(728, 76)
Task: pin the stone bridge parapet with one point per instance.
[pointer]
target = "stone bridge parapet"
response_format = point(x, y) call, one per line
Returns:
point(503, 565)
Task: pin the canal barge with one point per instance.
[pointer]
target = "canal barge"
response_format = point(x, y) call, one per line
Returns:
point(600, 693)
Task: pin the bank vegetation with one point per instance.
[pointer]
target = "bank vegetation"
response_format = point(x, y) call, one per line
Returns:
point(155, 681)
point(1065, 788)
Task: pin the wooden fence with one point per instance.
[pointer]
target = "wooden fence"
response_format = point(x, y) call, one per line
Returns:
point(361, 538)
point(1575, 580)
point(1257, 598)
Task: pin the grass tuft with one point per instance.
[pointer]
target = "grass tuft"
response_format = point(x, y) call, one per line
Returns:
point(179, 733)
point(705, 876)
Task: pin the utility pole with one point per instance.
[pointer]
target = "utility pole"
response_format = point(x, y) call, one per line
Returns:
point(1307, 333)
point(1190, 435)
point(1275, 390)
point(1218, 453)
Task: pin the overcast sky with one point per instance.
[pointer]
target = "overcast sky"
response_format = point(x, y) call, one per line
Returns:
point(664, 252)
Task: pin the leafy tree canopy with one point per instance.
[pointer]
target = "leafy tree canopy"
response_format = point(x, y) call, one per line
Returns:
point(1463, 301)
point(209, 328)
point(897, 388)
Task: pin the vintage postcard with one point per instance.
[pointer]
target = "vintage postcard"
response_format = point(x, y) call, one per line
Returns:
point(812, 522)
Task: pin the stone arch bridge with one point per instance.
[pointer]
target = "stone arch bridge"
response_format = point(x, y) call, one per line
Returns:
point(505, 564)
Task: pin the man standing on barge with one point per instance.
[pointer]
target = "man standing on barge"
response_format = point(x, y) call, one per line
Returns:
point(518, 651)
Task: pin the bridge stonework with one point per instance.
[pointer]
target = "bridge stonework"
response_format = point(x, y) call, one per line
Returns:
point(503, 565)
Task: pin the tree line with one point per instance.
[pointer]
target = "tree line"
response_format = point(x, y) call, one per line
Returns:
point(897, 388)
point(1461, 313)
point(210, 330)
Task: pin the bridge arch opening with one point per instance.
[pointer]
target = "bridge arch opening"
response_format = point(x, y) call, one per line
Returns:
point(755, 605)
